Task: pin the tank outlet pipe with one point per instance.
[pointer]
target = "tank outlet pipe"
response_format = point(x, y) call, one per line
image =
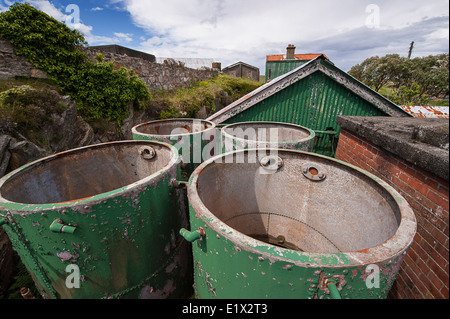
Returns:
point(179, 184)
point(334, 292)
point(57, 226)
point(192, 236)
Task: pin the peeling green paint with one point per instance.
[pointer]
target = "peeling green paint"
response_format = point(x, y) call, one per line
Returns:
point(124, 241)
point(231, 264)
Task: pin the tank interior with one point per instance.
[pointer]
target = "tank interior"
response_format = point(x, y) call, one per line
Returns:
point(168, 127)
point(265, 131)
point(342, 211)
point(85, 172)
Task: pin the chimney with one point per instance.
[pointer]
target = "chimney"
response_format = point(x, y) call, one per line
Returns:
point(217, 66)
point(290, 52)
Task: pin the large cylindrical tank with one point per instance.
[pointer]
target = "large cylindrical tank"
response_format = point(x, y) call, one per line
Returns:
point(310, 227)
point(100, 221)
point(189, 136)
point(243, 135)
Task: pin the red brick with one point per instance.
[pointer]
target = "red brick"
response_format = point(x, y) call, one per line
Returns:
point(439, 200)
point(404, 177)
point(410, 171)
point(431, 184)
point(424, 273)
point(441, 273)
point(440, 261)
point(444, 293)
point(368, 154)
point(420, 175)
point(437, 282)
point(443, 191)
point(418, 186)
point(359, 149)
point(439, 236)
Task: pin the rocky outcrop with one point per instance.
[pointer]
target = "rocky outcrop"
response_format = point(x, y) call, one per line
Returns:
point(12, 65)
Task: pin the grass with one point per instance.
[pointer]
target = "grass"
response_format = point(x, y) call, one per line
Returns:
point(210, 94)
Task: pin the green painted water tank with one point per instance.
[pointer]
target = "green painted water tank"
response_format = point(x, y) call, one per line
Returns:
point(262, 134)
point(100, 221)
point(291, 224)
point(189, 136)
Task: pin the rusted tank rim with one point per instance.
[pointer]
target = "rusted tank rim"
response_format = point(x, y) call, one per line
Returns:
point(135, 129)
point(281, 124)
point(88, 201)
point(390, 249)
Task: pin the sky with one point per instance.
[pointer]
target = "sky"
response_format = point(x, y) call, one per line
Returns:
point(229, 31)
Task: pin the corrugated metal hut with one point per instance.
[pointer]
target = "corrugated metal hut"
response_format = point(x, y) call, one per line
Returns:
point(279, 64)
point(311, 95)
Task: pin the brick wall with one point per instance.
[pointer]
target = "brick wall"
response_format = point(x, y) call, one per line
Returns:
point(425, 270)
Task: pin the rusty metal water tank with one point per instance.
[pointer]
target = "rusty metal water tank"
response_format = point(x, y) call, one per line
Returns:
point(188, 135)
point(105, 217)
point(311, 227)
point(242, 135)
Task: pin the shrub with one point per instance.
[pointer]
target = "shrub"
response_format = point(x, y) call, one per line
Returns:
point(50, 45)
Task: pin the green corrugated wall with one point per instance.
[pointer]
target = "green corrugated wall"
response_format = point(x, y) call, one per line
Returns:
point(277, 68)
point(314, 102)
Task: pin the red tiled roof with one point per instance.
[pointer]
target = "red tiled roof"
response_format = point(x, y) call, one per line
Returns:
point(304, 57)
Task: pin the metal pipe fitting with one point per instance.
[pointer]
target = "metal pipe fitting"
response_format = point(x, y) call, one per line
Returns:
point(57, 226)
point(192, 236)
point(334, 292)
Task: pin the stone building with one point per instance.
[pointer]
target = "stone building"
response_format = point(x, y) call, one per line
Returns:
point(242, 70)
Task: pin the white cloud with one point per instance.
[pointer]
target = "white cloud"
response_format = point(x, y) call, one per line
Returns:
point(127, 37)
point(233, 30)
point(97, 9)
point(48, 8)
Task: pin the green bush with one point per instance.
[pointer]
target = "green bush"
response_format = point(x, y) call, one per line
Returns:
point(27, 110)
point(50, 45)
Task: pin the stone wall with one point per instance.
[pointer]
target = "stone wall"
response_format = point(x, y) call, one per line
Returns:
point(12, 65)
point(418, 169)
point(157, 76)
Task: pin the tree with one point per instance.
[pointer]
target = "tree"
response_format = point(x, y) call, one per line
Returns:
point(411, 80)
point(432, 74)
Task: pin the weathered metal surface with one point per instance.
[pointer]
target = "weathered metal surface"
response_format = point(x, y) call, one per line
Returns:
point(284, 235)
point(108, 209)
point(312, 95)
point(276, 68)
point(189, 136)
point(427, 111)
point(314, 103)
point(245, 135)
